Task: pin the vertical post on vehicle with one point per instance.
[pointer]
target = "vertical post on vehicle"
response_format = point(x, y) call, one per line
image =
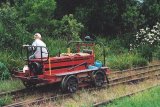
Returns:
point(27, 47)
point(27, 55)
point(41, 53)
point(68, 50)
point(50, 66)
point(104, 56)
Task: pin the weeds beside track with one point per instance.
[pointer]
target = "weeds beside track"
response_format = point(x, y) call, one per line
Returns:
point(127, 95)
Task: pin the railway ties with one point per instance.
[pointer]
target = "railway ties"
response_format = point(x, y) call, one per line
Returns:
point(18, 95)
point(140, 75)
point(59, 96)
point(135, 76)
point(38, 101)
point(131, 76)
point(126, 95)
point(13, 92)
point(117, 74)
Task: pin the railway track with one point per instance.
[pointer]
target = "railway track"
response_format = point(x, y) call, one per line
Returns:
point(122, 73)
point(134, 75)
point(114, 76)
point(30, 91)
point(127, 95)
point(13, 92)
point(54, 97)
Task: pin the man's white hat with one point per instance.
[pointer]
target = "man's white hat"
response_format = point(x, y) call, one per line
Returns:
point(38, 35)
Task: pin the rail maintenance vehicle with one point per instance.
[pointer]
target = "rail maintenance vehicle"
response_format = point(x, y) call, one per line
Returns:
point(71, 70)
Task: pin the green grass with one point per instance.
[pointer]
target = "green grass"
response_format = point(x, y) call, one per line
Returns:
point(5, 100)
point(11, 59)
point(8, 85)
point(150, 98)
point(125, 61)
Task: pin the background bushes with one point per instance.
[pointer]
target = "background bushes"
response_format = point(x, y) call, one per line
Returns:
point(12, 33)
point(4, 72)
point(113, 22)
point(68, 28)
point(125, 61)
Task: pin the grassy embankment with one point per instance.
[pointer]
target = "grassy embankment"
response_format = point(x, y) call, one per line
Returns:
point(150, 98)
point(8, 85)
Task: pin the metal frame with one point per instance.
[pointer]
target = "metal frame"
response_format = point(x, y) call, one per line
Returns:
point(89, 42)
point(29, 46)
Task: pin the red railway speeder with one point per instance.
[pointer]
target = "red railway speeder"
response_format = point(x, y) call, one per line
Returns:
point(71, 70)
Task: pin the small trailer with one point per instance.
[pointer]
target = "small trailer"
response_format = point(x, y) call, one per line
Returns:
point(71, 70)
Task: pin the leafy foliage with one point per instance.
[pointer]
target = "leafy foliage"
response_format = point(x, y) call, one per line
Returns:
point(132, 18)
point(12, 33)
point(4, 72)
point(37, 15)
point(150, 9)
point(125, 61)
point(147, 40)
point(107, 17)
point(149, 36)
point(6, 100)
point(139, 62)
point(157, 52)
point(68, 28)
point(68, 20)
point(100, 17)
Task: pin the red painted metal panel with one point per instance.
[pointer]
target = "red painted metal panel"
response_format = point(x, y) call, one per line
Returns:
point(62, 64)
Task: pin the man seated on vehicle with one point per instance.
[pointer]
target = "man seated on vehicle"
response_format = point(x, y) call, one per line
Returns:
point(37, 50)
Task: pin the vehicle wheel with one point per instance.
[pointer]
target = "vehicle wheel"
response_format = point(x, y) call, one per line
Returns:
point(69, 84)
point(98, 79)
point(28, 84)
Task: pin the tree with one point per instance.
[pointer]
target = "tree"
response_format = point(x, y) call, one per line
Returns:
point(151, 10)
point(12, 33)
point(68, 28)
point(110, 17)
point(37, 15)
point(132, 19)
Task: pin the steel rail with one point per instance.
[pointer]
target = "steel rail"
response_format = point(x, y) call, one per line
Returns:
point(129, 71)
point(133, 75)
point(134, 69)
point(134, 80)
point(13, 92)
point(127, 95)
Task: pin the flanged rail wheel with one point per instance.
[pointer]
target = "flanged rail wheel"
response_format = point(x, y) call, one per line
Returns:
point(98, 79)
point(69, 84)
point(28, 84)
